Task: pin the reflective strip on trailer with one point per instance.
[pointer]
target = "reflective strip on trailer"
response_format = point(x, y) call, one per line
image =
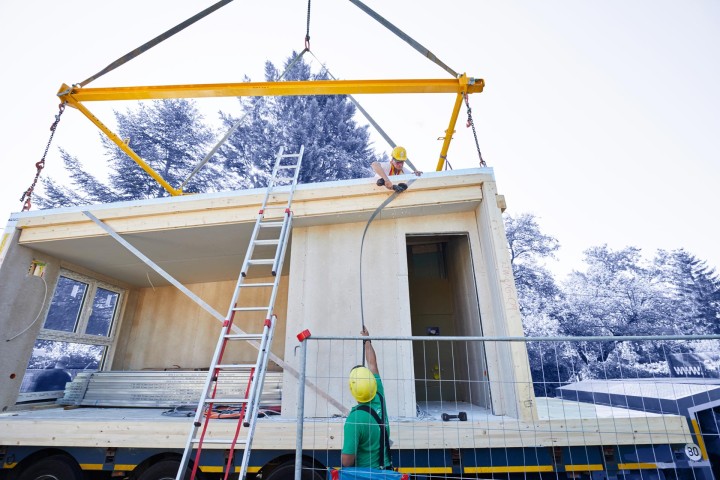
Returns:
point(119, 466)
point(510, 469)
point(584, 468)
point(636, 466)
point(699, 438)
point(425, 470)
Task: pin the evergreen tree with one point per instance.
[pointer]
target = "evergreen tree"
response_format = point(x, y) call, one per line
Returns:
point(171, 137)
point(336, 147)
point(167, 134)
point(695, 290)
point(88, 189)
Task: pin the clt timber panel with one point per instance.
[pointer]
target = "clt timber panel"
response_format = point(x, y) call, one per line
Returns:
point(169, 330)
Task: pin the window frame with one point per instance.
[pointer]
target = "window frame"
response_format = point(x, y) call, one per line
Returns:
point(109, 342)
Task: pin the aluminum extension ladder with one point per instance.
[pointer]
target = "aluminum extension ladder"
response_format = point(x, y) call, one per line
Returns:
point(286, 169)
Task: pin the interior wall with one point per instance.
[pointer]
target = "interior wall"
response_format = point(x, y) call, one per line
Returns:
point(467, 317)
point(444, 302)
point(166, 329)
point(431, 307)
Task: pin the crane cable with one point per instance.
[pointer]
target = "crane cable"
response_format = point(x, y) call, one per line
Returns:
point(426, 53)
point(27, 195)
point(234, 128)
point(148, 45)
point(367, 116)
point(240, 121)
point(409, 40)
point(307, 29)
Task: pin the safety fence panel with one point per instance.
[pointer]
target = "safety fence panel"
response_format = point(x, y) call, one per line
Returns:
point(573, 407)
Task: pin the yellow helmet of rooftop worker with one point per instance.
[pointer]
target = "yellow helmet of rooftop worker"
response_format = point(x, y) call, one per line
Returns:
point(362, 384)
point(399, 154)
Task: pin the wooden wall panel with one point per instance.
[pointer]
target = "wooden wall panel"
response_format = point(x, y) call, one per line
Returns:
point(511, 382)
point(168, 330)
point(325, 298)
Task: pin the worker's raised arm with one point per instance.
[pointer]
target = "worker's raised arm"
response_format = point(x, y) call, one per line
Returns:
point(370, 357)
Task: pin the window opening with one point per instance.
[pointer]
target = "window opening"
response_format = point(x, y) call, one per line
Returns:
point(78, 331)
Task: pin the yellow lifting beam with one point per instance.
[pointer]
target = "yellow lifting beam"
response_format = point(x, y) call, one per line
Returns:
point(74, 96)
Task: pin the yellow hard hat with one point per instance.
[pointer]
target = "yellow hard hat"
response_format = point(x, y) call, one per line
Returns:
point(362, 384)
point(399, 154)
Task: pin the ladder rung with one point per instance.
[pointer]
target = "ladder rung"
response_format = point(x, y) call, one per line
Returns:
point(288, 155)
point(227, 401)
point(235, 366)
point(249, 309)
point(271, 224)
point(257, 285)
point(244, 336)
point(287, 167)
point(220, 441)
point(262, 261)
point(272, 241)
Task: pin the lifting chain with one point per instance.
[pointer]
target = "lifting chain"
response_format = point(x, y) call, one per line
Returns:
point(470, 123)
point(27, 195)
point(307, 31)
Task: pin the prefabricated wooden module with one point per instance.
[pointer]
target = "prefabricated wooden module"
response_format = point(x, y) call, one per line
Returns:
point(200, 240)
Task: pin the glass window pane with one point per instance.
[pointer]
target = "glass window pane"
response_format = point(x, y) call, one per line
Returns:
point(55, 363)
point(66, 305)
point(103, 312)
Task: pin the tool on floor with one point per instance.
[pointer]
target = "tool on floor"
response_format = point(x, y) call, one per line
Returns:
point(462, 416)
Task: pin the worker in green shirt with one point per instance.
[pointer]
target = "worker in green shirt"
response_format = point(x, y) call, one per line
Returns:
point(366, 441)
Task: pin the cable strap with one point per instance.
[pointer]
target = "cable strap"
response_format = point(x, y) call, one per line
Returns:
point(147, 46)
point(424, 51)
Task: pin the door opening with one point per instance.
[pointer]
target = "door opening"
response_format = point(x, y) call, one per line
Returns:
point(444, 302)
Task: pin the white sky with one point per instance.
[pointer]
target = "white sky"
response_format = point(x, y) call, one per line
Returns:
point(601, 118)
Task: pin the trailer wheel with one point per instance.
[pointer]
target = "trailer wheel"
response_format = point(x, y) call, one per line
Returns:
point(164, 470)
point(54, 467)
point(286, 471)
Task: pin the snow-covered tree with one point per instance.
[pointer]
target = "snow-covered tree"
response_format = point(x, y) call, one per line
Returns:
point(169, 135)
point(694, 288)
point(551, 364)
point(336, 147)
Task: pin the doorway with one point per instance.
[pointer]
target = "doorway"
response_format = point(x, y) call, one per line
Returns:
point(444, 303)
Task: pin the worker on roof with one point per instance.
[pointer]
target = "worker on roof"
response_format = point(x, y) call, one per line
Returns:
point(396, 166)
point(366, 435)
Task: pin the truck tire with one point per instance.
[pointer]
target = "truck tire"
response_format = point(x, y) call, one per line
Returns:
point(164, 470)
point(286, 471)
point(54, 467)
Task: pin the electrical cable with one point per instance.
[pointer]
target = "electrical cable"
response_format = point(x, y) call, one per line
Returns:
point(37, 316)
point(362, 247)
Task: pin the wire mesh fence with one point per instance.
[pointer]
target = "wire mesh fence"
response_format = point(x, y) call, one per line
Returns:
point(573, 407)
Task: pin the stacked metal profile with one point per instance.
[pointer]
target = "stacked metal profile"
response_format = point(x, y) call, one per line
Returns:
point(160, 388)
